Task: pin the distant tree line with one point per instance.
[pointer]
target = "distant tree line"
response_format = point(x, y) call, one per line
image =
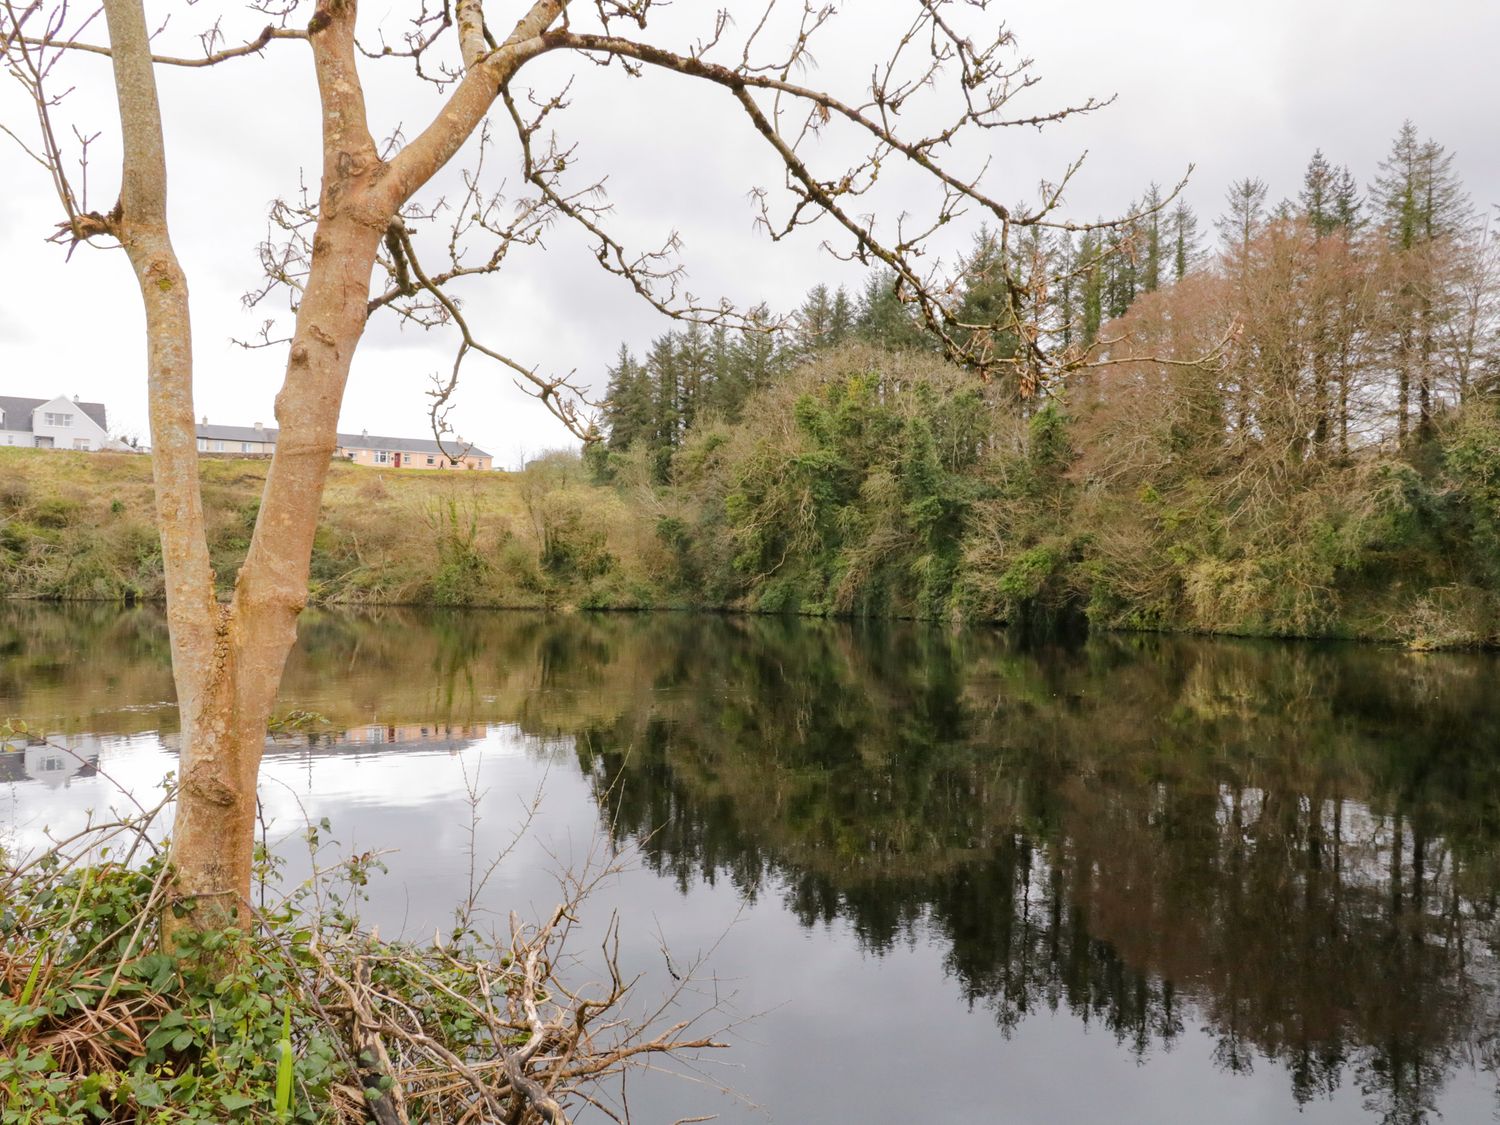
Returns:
point(695, 372)
point(1358, 313)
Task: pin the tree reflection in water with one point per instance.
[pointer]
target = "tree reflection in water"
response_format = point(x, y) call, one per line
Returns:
point(1298, 843)
point(1294, 846)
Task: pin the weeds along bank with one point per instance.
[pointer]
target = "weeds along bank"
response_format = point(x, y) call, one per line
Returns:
point(876, 483)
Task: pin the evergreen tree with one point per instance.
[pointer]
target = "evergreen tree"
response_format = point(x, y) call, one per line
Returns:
point(666, 416)
point(884, 319)
point(814, 322)
point(1091, 286)
point(627, 406)
point(1183, 224)
point(1419, 201)
point(694, 373)
point(1246, 214)
point(840, 318)
point(1121, 268)
point(1417, 195)
point(1347, 205)
point(1151, 224)
point(1066, 290)
point(986, 307)
point(1318, 199)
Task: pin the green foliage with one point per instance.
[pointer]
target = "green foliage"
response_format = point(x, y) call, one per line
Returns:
point(461, 568)
point(111, 1027)
point(843, 491)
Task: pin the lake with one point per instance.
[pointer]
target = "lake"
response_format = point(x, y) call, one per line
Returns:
point(923, 874)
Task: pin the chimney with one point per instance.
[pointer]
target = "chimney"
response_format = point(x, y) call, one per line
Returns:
point(76, 398)
point(364, 433)
point(260, 426)
point(204, 421)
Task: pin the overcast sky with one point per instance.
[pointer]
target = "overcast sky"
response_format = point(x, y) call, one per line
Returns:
point(1234, 89)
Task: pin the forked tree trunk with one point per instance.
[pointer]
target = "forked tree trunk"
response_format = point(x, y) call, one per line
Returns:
point(227, 661)
point(214, 833)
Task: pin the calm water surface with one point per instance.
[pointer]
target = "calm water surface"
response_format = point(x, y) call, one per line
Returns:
point(931, 876)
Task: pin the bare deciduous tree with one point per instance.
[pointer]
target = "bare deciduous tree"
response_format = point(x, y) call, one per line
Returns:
point(951, 73)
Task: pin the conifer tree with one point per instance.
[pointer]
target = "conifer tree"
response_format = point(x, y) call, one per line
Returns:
point(840, 318)
point(628, 408)
point(1347, 204)
point(661, 369)
point(1417, 195)
point(1246, 214)
point(814, 321)
point(984, 298)
point(883, 319)
point(1419, 201)
point(694, 373)
point(1091, 285)
point(1151, 233)
point(1318, 199)
point(1183, 224)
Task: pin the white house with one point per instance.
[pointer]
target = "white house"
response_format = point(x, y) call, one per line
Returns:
point(59, 423)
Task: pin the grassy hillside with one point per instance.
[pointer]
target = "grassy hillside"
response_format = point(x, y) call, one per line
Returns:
point(81, 526)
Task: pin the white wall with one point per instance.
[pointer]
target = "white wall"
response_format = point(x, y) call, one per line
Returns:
point(19, 439)
point(80, 425)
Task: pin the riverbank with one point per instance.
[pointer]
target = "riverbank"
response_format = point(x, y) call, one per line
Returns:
point(838, 496)
point(81, 527)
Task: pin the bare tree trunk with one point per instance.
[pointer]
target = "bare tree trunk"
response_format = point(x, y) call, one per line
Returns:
point(228, 660)
point(213, 838)
point(194, 619)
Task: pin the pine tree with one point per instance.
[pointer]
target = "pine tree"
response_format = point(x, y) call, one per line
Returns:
point(1318, 200)
point(1066, 290)
point(1417, 194)
point(986, 307)
point(840, 318)
point(627, 407)
point(1183, 224)
point(1419, 200)
point(1121, 269)
point(666, 415)
point(883, 319)
point(1151, 224)
point(1091, 286)
point(814, 321)
point(694, 374)
point(1238, 226)
point(1347, 205)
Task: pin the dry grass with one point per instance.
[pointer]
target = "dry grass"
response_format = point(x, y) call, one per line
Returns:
point(81, 526)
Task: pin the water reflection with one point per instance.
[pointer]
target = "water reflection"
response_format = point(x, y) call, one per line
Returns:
point(53, 762)
point(1290, 848)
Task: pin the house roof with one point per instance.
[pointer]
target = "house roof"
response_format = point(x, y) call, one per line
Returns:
point(236, 433)
point(17, 412)
point(413, 445)
point(346, 441)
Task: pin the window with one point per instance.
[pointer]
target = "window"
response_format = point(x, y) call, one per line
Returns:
point(218, 447)
point(247, 447)
point(80, 443)
point(432, 460)
point(202, 446)
point(52, 419)
point(382, 457)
